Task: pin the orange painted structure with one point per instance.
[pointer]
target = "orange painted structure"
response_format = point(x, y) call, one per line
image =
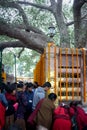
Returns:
point(66, 69)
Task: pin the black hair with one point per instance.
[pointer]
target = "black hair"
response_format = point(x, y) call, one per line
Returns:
point(29, 85)
point(8, 83)
point(35, 84)
point(65, 105)
point(3, 86)
point(11, 87)
point(52, 96)
point(20, 85)
point(26, 83)
point(21, 82)
point(47, 84)
point(75, 103)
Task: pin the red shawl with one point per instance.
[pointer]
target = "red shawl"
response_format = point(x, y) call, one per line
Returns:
point(2, 116)
point(34, 113)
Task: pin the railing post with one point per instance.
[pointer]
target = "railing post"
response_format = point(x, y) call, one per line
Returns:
point(15, 66)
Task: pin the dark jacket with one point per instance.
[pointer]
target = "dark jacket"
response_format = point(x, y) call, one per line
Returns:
point(22, 103)
point(30, 101)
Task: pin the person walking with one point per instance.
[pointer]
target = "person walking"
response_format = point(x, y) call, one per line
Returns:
point(40, 93)
point(22, 103)
point(43, 118)
point(29, 95)
point(11, 99)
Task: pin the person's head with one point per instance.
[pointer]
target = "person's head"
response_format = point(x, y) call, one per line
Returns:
point(30, 86)
point(2, 87)
point(64, 105)
point(20, 86)
point(35, 84)
point(8, 83)
point(12, 88)
point(52, 96)
point(47, 86)
point(75, 103)
point(25, 86)
point(21, 82)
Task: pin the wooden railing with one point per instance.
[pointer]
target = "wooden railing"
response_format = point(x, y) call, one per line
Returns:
point(66, 69)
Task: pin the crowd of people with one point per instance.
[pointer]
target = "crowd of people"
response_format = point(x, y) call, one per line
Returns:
point(29, 107)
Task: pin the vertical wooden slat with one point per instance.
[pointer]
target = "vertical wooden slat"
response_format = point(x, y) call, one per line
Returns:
point(84, 59)
point(42, 79)
point(49, 62)
point(72, 74)
point(60, 72)
point(66, 74)
point(44, 65)
point(77, 63)
point(40, 72)
point(55, 69)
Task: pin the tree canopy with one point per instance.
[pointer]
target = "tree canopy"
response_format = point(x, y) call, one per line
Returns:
point(19, 23)
point(25, 63)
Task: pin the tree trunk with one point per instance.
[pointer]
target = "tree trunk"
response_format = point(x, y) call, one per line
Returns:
point(83, 37)
point(64, 35)
point(79, 25)
point(63, 29)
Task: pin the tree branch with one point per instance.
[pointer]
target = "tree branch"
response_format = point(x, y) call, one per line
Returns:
point(59, 6)
point(79, 3)
point(19, 54)
point(72, 22)
point(18, 7)
point(52, 2)
point(53, 6)
point(33, 40)
point(11, 44)
point(35, 5)
point(15, 44)
point(30, 27)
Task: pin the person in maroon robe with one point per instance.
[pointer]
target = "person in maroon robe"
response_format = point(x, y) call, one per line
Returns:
point(81, 116)
point(61, 118)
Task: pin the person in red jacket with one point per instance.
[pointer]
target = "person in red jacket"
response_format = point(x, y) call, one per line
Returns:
point(2, 116)
point(11, 98)
point(61, 118)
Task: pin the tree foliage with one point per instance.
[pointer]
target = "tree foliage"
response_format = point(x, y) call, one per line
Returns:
point(25, 63)
point(25, 23)
point(21, 19)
